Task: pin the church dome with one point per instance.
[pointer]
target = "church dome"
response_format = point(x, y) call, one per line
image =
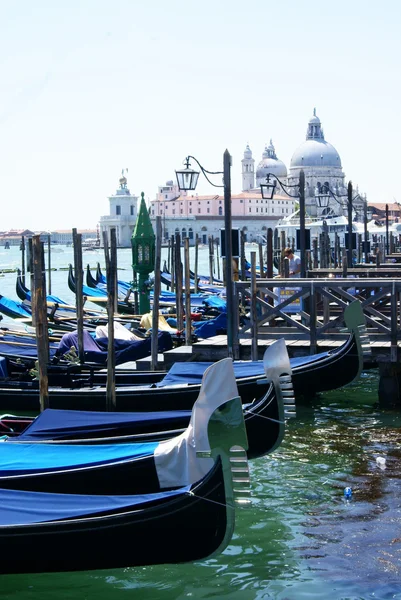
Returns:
point(270, 164)
point(315, 151)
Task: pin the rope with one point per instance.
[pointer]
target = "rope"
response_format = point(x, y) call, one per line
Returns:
point(225, 504)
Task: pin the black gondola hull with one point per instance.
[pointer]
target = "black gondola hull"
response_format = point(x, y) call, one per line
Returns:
point(183, 529)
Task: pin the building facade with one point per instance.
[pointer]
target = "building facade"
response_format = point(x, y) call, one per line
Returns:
point(203, 216)
point(122, 215)
point(191, 214)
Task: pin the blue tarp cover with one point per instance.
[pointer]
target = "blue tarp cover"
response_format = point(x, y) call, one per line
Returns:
point(125, 350)
point(13, 309)
point(207, 329)
point(30, 458)
point(24, 508)
point(192, 372)
point(17, 345)
point(216, 302)
point(54, 424)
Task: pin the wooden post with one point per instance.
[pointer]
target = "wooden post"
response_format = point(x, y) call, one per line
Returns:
point(169, 256)
point(23, 259)
point(378, 257)
point(49, 265)
point(312, 325)
point(323, 264)
point(337, 251)
point(196, 263)
point(359, 248)
point(188, 323)
point(79, 301)
point(345, 262)
point(111, 262)
point(315, 254)
point(178, 286)
point(210, 240)
point(173, 267)
point(270, 265)
point(286, 267)
point(40, 311)
point(254, 316)
point(243, 257)
point(156, 296)
point(217, 257)
point(261, 261)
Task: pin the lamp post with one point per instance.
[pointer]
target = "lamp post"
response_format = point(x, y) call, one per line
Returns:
point(268, 190)
point(365, 230)
point(326, 193)
point(387, 245)
point(349, 206)
point(187, 179)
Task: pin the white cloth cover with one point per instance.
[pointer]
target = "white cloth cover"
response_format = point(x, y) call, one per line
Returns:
point(176, 460)
point(120, 332)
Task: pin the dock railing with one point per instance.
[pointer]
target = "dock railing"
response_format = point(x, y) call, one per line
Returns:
point(305, 309)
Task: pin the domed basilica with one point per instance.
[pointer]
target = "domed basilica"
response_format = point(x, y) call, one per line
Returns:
point(321, 164)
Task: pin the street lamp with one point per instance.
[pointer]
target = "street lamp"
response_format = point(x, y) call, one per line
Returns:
point(268, 190)
point(323, 197)
point(350, 200)
point(187, 179)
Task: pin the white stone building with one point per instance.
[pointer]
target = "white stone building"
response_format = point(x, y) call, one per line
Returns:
point(191, 214)
point(122, 216)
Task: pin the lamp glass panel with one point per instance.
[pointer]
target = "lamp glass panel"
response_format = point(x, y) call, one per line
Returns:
point(323, 200)
point(267, 190)
point(187, 179)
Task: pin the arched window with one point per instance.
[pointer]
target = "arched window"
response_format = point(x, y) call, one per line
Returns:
point(220, 210)
point(184, 233)
point(190, 233)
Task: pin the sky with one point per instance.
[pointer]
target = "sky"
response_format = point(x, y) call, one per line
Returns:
point(89, 87)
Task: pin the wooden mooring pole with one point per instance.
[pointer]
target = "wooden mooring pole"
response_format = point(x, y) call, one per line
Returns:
point(40, 317)
point(156, 296)
point(79, 300)
point(111, 272)
point(188, 325)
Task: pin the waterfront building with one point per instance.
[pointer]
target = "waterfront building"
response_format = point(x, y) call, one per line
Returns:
point(191, 214)
point(64, 236)
point(13, 237)
point(122, 214)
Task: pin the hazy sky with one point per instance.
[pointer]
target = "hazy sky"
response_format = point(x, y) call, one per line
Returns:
point(88, 87)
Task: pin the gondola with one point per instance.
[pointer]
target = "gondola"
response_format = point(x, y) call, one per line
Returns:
point(132, 468)
point(264, 417)
point(178, 389)
point(192, 519)
point(166, 298)
point(66, 532)
point(98, 295)
point(15, 310)
point(123, 286)
point(23, 347)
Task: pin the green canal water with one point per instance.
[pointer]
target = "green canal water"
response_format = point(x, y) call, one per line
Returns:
point(299, 538)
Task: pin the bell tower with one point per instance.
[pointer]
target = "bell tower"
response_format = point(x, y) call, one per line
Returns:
point(248, 170)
